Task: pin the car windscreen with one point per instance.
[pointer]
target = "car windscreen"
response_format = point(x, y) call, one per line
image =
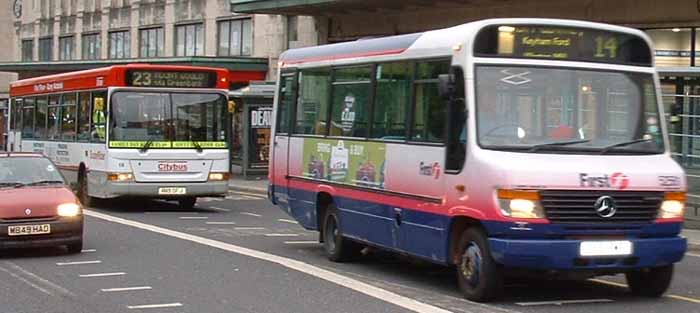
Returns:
point(15, 171)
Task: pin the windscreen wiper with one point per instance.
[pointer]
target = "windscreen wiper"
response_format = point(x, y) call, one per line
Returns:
point(607, 149)
point(11, 184)
point(45, 182)
point(197, 146)
point(558, 143)
point(146, 146)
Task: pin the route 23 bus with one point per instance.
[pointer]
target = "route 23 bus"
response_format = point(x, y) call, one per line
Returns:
point(499, 147)
point(129, 130)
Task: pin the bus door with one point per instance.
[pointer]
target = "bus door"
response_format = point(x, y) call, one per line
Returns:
point(280, 163)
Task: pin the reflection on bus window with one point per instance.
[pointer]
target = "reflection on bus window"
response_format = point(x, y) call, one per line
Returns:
point(520, 107)
point(199, 117)
point(28, 118)
point(138, 116)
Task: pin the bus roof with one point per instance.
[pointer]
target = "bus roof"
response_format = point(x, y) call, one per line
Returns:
point(434, 43)
point(112, 76)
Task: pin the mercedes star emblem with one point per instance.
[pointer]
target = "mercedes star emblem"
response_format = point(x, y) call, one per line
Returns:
point(605, 207)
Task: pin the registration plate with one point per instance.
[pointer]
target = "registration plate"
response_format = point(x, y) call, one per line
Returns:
point(28, 230)
point(172, 191)
point(606, 248)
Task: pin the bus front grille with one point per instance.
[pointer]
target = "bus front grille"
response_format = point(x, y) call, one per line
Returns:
point(578, 206)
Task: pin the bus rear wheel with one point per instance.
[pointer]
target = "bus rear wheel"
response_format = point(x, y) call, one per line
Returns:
point(337, 248)
point(652, 282)
point(480, 278)
point(187, 203)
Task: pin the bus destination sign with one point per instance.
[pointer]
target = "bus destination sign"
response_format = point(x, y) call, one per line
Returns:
point(562, 43)
point(170, 79)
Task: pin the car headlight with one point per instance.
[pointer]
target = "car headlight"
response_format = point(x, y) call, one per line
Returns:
point(673, 205)
point(69, 210)
point(120, 176)
point(520, 203)
point(219, 176)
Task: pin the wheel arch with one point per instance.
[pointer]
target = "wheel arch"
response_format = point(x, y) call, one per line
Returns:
point(323, 200)
point(458, 225)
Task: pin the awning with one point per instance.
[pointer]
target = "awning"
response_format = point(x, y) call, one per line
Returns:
point(333, 7)
point(251, 68)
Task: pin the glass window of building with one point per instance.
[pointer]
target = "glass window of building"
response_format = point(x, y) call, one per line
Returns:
point(189, 40)
point(91, 46)
point(151, 42)
point(45, 49)
point(292, 31)
point(27, 50)
point(119, 45)
point(65, 48)
point(235, 37)
point(673, 46)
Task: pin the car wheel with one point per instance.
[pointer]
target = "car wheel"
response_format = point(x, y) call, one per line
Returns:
point(480, 278)
point(75, 248)
point(652, 282)
point(187, 203)
point(337, 248)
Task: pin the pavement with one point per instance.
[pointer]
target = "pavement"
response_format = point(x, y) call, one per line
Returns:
point(259, 185)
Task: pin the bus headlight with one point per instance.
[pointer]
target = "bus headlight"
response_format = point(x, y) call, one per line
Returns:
point(673, 205)
point(68, 210)
point(520, 203)
point(120, 176)
point(219, 176)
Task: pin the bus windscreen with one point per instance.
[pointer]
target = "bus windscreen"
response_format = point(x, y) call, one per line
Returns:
point(562, 43)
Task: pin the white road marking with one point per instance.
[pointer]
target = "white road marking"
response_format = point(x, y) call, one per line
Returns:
point(287, 221)
point(41, 280)
point(282, 235)
point(126, 289)
point(693, 300)
point(693, 254)
point(22, 279)
point(608, 282)
point(221, 223)
point(301, 242)
point(88, 251)
point(341, 280)
point(193, 217)
point(102, 274)
point(219, 209)
point(562, 302)
point(249, 228)
point(154, 306)
point(251, 214)
point(258, 195)
point(78, 263)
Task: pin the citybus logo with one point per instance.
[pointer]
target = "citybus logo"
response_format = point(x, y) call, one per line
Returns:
point(172, 167)
point(615, 180)
point(48, 87)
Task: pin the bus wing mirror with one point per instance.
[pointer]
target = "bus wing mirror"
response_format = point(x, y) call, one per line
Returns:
point(446, 85)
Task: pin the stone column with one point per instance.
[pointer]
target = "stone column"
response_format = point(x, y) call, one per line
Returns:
point(134, 27)
point(169, 28)
point(104, 32)
point(78, 53)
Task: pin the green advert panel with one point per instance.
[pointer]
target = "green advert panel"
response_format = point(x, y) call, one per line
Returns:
point(344, 161)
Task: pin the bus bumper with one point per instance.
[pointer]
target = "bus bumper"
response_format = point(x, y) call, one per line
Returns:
point(138, 189)
point(564, 254)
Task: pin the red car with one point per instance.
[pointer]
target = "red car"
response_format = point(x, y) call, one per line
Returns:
point(37, 208)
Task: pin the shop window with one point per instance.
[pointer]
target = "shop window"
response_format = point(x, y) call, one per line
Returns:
point(350, 106)
point(429, 110)
point(392, 96)
point(314, 95)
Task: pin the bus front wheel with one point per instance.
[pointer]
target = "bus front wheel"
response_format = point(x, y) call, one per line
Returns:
point(83, 192)
point(187, 203)
point(652, 282)
point(337, 248)
point(480, 277)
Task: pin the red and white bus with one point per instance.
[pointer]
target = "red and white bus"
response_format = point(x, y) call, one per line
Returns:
point(530, 144)
point(129, 130)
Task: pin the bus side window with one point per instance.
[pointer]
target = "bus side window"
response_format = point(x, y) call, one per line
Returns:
point(84, 116)
point(99, 116)
point(41, 114)
point(28, 116)
point(429, 109)
point(456, 123)
point(285, 103)
point(314, 97)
